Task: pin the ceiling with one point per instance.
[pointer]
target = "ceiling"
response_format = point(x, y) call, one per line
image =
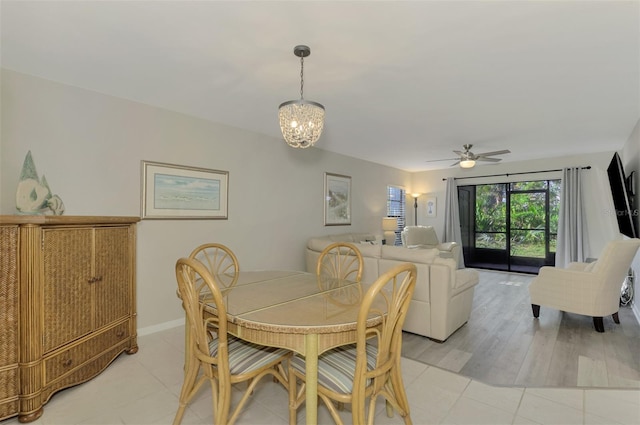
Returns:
point(403, 83)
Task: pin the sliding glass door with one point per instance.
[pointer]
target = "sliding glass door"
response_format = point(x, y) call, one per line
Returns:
point(509, 226)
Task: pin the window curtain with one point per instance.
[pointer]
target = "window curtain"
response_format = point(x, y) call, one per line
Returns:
point(452, 218)
point(571, 239)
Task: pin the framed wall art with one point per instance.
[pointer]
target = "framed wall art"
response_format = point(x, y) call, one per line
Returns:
point(172, 191)
point(431, 206)
point(337, 200)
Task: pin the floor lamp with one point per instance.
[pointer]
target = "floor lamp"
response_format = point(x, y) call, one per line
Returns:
point(415, 207)
point(389, 225)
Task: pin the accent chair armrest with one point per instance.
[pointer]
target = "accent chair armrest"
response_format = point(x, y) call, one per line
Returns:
point(577, 266)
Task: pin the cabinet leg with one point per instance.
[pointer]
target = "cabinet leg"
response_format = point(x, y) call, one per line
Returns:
point(132, 350)
point(31, 416)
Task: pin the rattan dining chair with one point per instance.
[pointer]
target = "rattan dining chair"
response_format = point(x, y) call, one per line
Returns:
point(223, 359)
point(370, 368)
point(340, 263)
point(340, 260)
point(221, 262)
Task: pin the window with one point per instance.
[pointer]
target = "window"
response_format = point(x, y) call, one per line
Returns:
point(510, 226)
point(396, 208)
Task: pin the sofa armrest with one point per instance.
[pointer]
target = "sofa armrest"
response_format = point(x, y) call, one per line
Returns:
point(447, 246)
point(451, 296)
point(452, 250)
point(577, 266)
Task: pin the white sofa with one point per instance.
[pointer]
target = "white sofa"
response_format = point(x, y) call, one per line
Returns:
point(425, 237)
point(443, 296)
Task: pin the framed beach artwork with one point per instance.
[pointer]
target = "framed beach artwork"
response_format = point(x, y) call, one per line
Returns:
point(337, 200)
point(172, 191)
point(431, 206)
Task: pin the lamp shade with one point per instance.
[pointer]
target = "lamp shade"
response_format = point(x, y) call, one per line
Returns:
point(389, 223)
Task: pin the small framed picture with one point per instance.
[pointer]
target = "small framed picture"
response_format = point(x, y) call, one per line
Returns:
point(337, 200)
point(172, 191)
point(431, 207)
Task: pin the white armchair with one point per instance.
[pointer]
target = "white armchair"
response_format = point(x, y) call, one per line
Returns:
point(591, 289)
point(425, 237)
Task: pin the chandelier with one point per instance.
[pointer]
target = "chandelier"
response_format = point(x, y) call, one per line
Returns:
point(301, 121)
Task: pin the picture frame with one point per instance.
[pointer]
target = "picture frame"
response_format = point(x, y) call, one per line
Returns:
point(337, 200)
point(171, 191)
point(432, 206)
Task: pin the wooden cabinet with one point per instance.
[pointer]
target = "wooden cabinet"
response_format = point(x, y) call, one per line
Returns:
point(68, 304)
point(9, 390)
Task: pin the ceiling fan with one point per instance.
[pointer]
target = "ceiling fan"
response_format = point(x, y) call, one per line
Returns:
point(468, 159)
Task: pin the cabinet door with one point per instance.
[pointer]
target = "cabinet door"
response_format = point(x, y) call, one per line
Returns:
point(67, 285)
point(9, 316)
point(8, 295)
point(113, 270)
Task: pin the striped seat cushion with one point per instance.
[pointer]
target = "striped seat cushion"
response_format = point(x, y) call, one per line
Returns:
point(245, 356)
point(336, 367)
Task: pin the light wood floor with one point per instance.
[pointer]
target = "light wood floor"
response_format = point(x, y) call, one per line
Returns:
point(502, 344)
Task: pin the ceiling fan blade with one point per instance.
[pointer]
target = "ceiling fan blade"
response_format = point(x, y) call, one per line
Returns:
point(483, 158)
point(502, 152)
point(455, 163)
point(438, 160)
point(458, 152)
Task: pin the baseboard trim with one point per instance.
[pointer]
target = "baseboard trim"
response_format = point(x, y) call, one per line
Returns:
point(148, 330)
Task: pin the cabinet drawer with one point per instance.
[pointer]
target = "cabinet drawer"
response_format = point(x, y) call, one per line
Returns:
point(71, 358)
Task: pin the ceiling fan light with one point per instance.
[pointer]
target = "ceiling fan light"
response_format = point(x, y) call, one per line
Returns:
point(467, 163)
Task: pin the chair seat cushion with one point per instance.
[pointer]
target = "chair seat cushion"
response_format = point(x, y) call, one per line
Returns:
point(245, 356)
point(336, 367)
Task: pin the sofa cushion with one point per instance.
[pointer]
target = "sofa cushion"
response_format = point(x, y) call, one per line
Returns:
point(419, 235)
point(367, 250)
point(318, 244)
point(401, 253)
point(351, 237)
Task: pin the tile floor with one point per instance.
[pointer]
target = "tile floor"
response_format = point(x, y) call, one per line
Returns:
point(143, 389)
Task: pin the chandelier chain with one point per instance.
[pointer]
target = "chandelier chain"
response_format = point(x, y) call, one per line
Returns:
point(301, 76)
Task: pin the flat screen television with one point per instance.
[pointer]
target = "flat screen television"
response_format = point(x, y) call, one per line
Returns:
point(622, 198)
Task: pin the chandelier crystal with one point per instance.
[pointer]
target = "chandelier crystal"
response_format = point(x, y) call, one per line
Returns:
point(301, 121)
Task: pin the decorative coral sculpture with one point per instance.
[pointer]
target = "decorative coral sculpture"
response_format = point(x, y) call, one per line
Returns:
point(33, 195)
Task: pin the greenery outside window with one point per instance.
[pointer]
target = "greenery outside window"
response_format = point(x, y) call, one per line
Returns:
point(510, 226)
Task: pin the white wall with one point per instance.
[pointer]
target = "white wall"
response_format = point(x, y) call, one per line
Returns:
point(89, 147)
point(600, 216)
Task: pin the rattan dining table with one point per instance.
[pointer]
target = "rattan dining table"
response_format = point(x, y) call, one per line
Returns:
point(294, 310)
